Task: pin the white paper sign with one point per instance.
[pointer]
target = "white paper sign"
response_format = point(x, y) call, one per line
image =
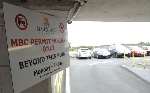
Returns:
point(37, 45)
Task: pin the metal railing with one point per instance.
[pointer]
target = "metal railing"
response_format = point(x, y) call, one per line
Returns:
point(139, 62)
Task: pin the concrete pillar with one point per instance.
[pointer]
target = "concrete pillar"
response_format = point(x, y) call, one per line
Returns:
point(5, 75)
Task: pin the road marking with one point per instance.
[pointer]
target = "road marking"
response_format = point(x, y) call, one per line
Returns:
point(103, 62)
point(98, 63)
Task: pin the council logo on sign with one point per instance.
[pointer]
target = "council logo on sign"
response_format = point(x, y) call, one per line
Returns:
point(45, 21)
point(21, 22)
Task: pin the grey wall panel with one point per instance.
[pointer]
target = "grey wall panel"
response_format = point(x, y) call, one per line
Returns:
point(3, 45)
point(5, 80)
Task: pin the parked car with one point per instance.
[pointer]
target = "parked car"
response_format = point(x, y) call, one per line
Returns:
point(147, 49)
point(119, 51)
point(101, 53)
point(137, 51)
point(84, 53)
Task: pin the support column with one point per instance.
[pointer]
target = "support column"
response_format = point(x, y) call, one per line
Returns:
point(5, 75)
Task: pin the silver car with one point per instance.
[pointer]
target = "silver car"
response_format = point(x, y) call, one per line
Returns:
point(101, 53)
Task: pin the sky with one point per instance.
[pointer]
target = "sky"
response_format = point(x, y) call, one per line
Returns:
point(91, 33)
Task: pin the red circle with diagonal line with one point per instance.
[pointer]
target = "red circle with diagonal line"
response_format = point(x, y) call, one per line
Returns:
point(21, 22)
point(62, 27)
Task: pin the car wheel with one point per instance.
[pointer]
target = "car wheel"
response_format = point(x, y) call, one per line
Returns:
point(95, 56)
point(115, 55)
point(98, 57)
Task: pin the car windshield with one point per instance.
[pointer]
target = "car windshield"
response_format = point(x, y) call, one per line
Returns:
point(120, 47)
point(102, 50)
point(84, 49)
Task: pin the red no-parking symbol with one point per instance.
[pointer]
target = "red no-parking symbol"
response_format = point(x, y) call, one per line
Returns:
point(21, 22)
point(62, 27)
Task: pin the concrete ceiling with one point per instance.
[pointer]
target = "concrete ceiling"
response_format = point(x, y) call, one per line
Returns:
point(115, 10)
point(94, 10)
point(66, 8)
point(62, 5)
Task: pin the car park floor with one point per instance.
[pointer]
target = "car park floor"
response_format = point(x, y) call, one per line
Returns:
point(104, 76)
